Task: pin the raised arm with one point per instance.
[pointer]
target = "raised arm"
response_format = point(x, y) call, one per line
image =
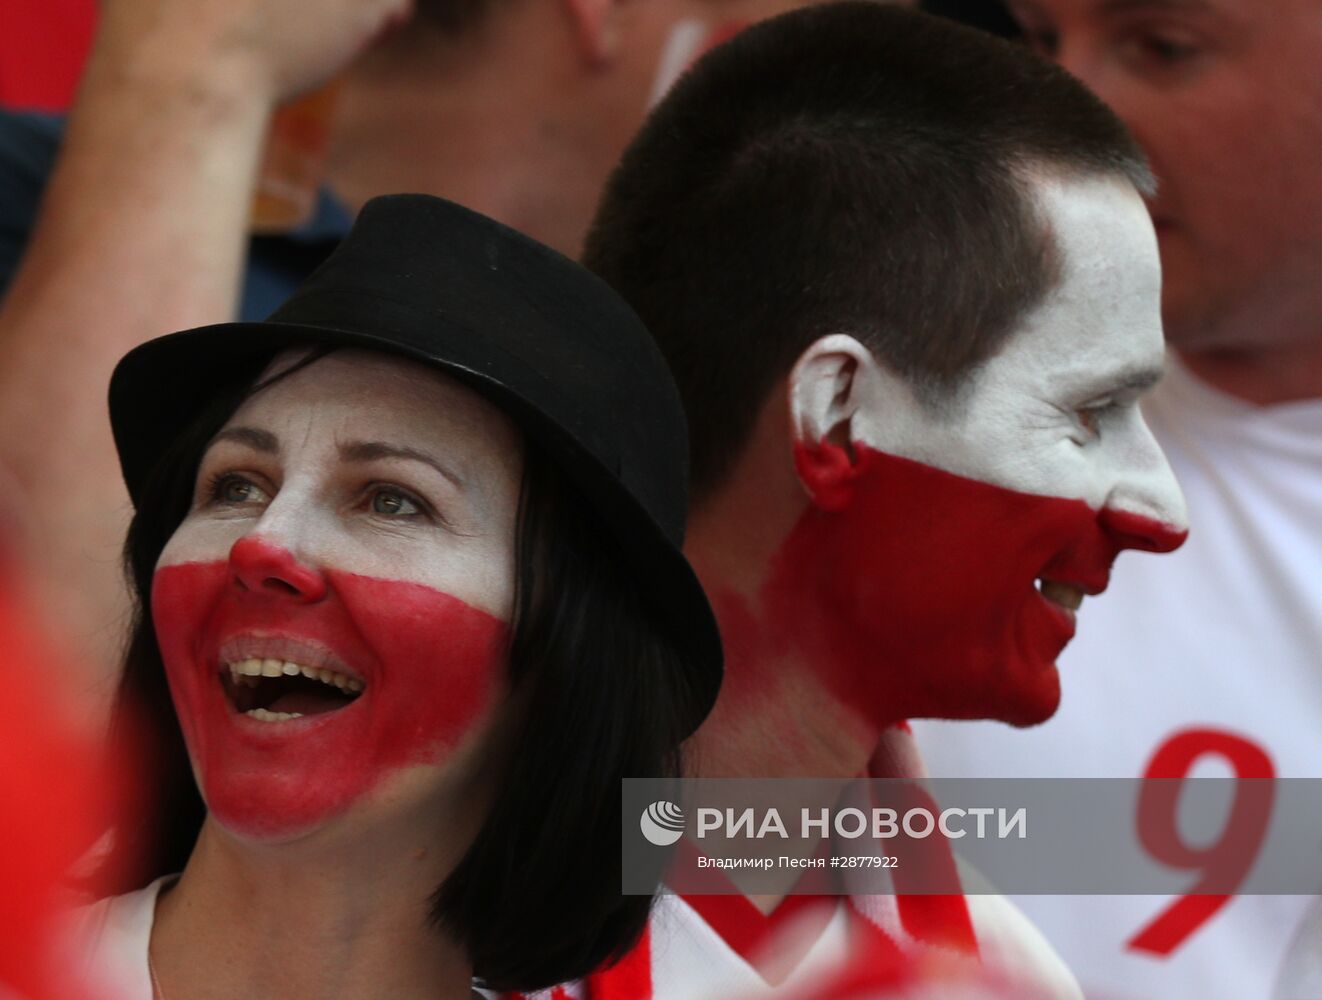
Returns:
point(142, 230)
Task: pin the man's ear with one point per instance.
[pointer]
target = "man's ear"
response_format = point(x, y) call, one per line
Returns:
point(825, 393)
point(595, 29)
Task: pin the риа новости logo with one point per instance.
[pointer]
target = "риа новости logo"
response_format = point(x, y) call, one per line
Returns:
point(662, 823)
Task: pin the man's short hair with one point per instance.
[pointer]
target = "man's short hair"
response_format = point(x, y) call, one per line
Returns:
point(846, 168)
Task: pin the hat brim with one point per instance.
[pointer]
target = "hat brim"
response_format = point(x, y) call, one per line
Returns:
point(162, 385)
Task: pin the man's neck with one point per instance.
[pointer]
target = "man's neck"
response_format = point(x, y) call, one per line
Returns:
point(1262, 376)
point(774, 720)
point(777, 716)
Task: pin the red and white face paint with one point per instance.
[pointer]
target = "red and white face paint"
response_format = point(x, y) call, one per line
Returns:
point(946, 553)
point(333, 610)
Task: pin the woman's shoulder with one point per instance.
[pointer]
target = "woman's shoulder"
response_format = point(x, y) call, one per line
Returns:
point(108, 941)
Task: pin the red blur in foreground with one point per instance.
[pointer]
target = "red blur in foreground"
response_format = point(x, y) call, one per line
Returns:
point(55, 803)
point(879, 970)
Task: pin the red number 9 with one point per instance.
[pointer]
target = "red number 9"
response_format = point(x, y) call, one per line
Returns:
point(1223, 864)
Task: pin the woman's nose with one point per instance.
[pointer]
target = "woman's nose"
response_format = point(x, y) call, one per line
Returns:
point(261, 566)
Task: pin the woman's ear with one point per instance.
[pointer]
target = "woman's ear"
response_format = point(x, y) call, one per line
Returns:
point(825, 389)
point(595, 29)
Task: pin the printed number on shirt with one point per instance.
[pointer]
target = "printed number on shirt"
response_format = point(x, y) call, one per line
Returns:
point(1221, 864)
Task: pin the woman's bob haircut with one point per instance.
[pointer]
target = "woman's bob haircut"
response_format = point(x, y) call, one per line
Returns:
point(596, 677)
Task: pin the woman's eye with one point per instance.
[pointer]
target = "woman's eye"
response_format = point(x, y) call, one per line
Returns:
point(394, 503)
point(232, 489)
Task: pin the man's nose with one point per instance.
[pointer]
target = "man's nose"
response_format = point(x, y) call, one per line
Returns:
point(1136, 531)
point(262, 565)
point(1146, 508)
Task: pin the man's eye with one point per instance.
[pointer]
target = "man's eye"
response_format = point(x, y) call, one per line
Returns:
point(1092, 417)
point(1158, 50)
point(394, 503)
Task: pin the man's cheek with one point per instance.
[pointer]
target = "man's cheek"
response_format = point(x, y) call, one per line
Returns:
point(926, 585)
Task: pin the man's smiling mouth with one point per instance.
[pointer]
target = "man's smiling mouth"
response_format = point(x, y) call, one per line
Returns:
point(1067, 595)
point(272, 690)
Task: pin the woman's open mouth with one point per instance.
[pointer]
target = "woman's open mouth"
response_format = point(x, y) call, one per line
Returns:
point(272, 690)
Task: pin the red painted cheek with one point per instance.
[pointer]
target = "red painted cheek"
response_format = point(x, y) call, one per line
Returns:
point(431, 663)
point(913, 591)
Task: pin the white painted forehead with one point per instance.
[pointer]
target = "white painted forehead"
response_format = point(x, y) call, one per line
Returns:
point(349, 374)
point(1103, 234)
point(351, 385)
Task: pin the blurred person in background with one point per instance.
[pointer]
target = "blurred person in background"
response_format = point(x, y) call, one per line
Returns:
point(132, 218)
point(1208, 664)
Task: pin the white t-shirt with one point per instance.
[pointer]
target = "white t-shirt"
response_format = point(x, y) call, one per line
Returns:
point(694, 956)
point(109, 942)
point(1226, 635)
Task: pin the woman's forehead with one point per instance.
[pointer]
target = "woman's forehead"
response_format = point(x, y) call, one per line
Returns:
point(359, 393)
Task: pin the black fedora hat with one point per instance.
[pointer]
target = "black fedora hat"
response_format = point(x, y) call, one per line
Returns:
point(543, 338)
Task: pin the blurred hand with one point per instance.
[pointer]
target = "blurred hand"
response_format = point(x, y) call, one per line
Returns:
point(267, 49)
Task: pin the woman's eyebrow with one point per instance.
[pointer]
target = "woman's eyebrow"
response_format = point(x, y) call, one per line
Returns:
point(258, 440)
point(368, 451)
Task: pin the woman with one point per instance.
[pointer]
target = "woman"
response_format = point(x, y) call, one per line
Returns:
point(408, 557)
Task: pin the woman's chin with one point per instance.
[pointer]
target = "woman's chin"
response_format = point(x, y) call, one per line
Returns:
point(268, 812)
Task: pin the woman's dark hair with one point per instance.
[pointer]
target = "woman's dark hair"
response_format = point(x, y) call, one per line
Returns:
point(602, 695)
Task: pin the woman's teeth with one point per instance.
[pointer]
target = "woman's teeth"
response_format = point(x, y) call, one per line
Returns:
point(267, 716)
point(1061, 593)
point(247, 671)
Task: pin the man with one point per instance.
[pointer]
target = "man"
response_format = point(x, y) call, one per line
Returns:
point(1205, 664)
point(904, 278)
point(517, 108)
